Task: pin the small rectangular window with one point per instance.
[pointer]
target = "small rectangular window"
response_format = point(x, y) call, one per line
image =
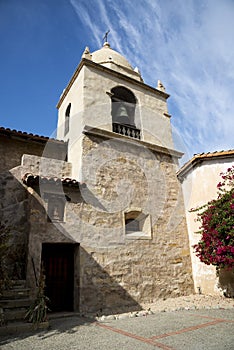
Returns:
point(132, 225)
point(137, 225)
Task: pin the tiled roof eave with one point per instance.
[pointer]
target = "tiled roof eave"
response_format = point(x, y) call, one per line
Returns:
point(31, 180)
point(12, 133)
point(199, 158)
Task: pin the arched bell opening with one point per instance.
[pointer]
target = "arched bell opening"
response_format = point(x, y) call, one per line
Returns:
point(123, 106)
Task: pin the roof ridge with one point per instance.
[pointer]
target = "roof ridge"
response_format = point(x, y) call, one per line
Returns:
point(27, 135)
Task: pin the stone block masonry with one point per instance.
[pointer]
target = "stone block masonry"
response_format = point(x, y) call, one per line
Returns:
point(122, 177)
point(114, 271)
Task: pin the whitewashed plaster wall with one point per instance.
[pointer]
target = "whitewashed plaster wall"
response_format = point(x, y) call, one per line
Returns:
point(75, 97)
point(91, 105)
point(150, 108)
point(199, 187)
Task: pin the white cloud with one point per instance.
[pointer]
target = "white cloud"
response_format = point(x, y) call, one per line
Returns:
point(186, 44)
point(86, 18)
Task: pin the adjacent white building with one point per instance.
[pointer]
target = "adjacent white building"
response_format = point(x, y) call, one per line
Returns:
point(199, 178)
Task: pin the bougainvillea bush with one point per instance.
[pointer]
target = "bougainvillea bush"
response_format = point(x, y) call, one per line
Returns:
point(216, 246)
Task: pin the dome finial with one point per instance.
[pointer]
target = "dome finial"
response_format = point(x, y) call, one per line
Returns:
point(86, 53)
point(160, 86)
point(106, 44)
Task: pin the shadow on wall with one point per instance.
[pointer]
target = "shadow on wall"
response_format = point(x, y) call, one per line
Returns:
point(226, 282)
point(99, 292)
point(14, 216)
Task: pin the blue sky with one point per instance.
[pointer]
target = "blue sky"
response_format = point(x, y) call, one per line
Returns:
point(188, 45)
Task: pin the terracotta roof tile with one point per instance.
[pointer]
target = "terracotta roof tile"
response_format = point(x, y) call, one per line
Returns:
point(24, 135)
point(198, 158)
point(30, 180)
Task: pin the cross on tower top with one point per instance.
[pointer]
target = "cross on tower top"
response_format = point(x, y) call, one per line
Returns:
point(105, 36)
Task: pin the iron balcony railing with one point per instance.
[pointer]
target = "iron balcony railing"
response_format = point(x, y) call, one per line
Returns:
point(127, 130)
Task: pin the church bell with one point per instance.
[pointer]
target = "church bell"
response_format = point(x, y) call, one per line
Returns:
point(122, 115)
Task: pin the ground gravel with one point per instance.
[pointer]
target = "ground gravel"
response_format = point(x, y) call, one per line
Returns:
point(190, 302)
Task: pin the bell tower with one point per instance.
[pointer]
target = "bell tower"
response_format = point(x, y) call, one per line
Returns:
point(128, 215)
point(106, 94)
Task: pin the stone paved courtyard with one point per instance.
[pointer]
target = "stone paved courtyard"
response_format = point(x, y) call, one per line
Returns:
point(208, 327)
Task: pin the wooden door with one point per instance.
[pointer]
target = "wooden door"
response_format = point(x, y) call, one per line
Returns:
point(58, 262)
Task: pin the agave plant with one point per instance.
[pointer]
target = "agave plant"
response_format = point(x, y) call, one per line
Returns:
point(37, 311)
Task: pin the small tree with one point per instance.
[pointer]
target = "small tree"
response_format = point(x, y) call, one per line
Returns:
point(216, 246)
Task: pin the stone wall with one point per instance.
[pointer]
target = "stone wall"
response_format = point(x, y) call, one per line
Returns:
point(114, 271)
point(14, 215)
point(41, 231)
point(14, 203)
point(12, 150)
point(122, 176)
